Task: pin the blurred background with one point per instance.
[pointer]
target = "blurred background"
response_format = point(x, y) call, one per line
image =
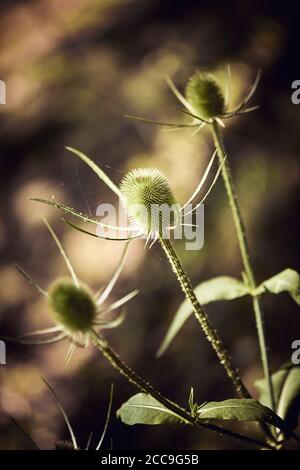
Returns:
point(72, 70)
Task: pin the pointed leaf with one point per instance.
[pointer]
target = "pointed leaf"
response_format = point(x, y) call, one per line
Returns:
point(218, 288)
point(143, 409)
point(286, 384)
point(241, 410)
point(285, 281)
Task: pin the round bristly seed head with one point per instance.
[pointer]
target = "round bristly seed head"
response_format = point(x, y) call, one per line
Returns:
point(149, 201)
point(205, 95)
point(72, 307)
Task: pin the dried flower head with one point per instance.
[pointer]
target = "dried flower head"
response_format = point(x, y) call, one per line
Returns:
point(205, 95)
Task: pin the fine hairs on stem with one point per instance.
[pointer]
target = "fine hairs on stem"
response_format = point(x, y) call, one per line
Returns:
point(202, 318)
point(244, 249)
point(148, 189)
point(205, 102)
point(146, 387)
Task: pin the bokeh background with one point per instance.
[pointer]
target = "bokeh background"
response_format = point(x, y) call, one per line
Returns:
point(72, 69)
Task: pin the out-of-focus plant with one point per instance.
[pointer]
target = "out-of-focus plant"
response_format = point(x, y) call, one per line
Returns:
point(75, 310)
point(71, 443)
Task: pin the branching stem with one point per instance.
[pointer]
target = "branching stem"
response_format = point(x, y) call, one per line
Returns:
point(146, 387)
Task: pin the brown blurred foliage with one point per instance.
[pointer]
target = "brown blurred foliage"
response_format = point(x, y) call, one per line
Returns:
point(72, 69)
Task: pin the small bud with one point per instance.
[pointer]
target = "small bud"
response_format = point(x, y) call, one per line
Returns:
point(205, 95)
point(149, 201)
point(72, 307)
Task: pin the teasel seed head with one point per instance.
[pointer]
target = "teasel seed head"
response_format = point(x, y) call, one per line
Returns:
point(205, 95)
point(72, 307)
point(149, 201)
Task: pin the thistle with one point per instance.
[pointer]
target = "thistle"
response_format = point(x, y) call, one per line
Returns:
point(205, 95)
point(149, 201)
point(205, 102)
point(75, 310)
point(72, 307)
point(79, 332)
point(149, 189)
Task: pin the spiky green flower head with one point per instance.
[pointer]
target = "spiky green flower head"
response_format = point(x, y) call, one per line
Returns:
point(72, 307)
point(205, 95)
point(149, 201)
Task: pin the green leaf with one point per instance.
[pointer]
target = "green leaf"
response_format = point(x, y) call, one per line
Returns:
point(240, 410)
point(285, 281)
point(286, 384)
point(218, 288)
point(144, 409)
point(228, 288)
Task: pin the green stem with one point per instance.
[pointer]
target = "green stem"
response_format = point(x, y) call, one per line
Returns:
point(243, 244)
point(202, 318)
point(146, 387)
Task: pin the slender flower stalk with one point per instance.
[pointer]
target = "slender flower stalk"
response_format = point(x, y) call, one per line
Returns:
point(204, 101)
point(205, 104)
point(244, 249)
point(202, 318)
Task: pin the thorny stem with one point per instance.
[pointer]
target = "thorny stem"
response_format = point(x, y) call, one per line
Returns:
point(202, 318)
point(146, 387)
point(244, 249)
